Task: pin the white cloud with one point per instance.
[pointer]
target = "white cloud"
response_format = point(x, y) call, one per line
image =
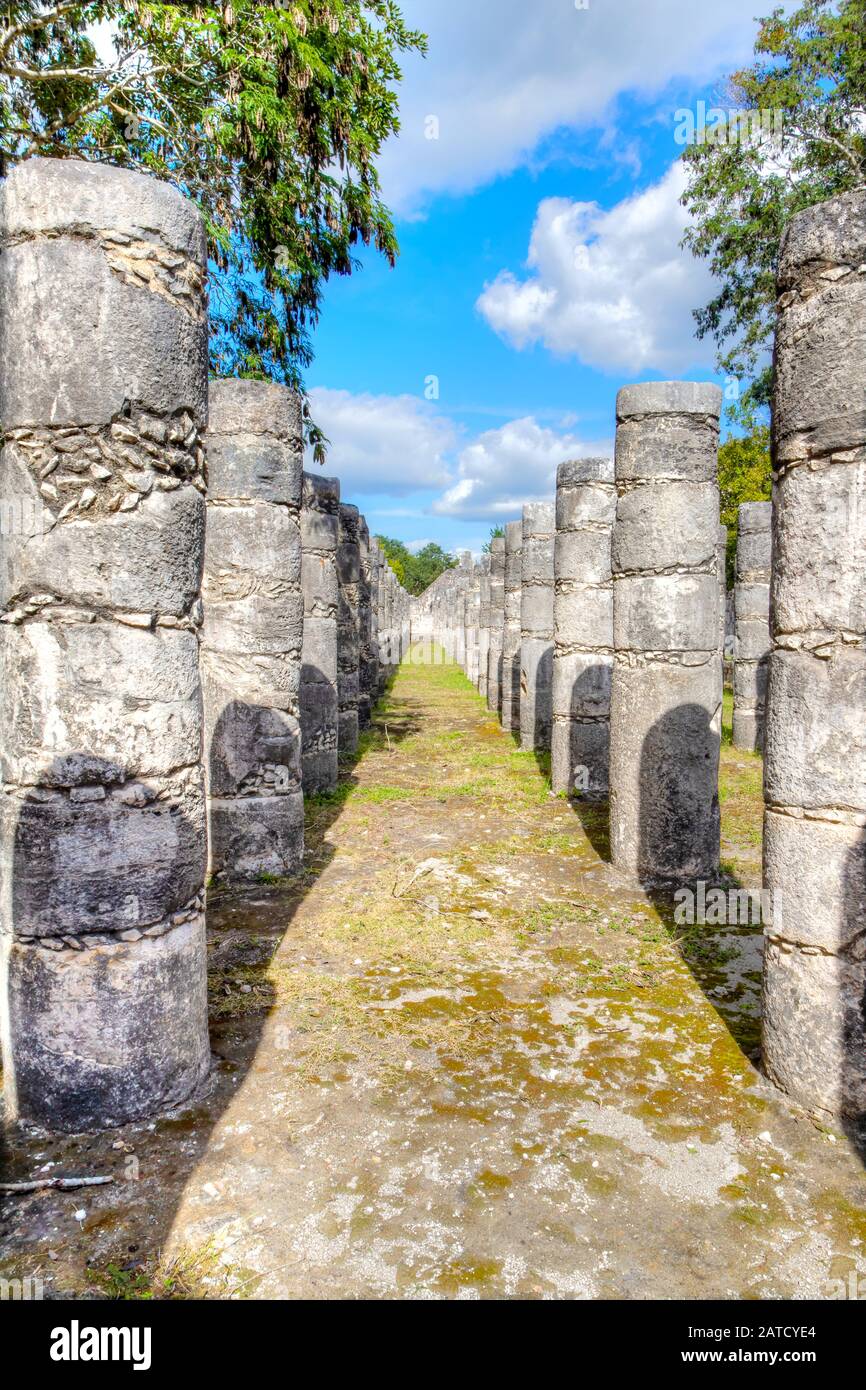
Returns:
point(500, 77)
point(613, 288)
point(396, 445)
point(391, 444)
point(505, 467)
point(414, 546)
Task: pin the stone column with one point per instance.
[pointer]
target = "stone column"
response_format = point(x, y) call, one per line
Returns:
point(497, 623)
point(473, 620)
point(752, 612)
point(510, 699)
point(666, 691)
point(384, 628)
point(484, 621)
point(583, 628)
point(406, 629)
point(814, 1023)
point(458, 623)
point(454, 616)
point(318, 696)
point(721, 570)
point(377, 616)
point(367, 672)
point(391, 643)
point(348, 627)
point(103, 399)
point(253, 626)
point(536, 625)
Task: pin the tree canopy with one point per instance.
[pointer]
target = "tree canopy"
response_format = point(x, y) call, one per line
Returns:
point(270, 116)
point(747, 178)
point(416, 571)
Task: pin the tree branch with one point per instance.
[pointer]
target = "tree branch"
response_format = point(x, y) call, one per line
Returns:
point(17, 31)
point(822, 137)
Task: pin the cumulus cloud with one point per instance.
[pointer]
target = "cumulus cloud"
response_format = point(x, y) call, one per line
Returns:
point(383, 444)
point(505, 467)
point(500, 78)
point(611, 287)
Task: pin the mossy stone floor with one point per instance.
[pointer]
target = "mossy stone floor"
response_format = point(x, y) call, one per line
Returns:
point(459, 1057)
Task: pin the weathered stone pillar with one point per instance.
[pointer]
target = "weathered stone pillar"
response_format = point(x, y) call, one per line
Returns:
point(406, 630)
point(666, 692)
point(752, 610)
point(497, 623)
point(348, 627)
point(473, 620)
point(103, 398)
point(814, 1006)
point(253, 626)
point(375, 667)
point(510, 699)
point(368, 676)
point(583, 628)
point(458, 623)
point(536, 625)
point(318, 696)
point(384, 625)
point(484, 621)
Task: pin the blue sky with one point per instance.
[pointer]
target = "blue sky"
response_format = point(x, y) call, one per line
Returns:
point(539, 268)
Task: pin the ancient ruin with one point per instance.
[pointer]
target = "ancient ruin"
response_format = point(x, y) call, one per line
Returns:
point(752, 617)
point(583, 628)
point(430, 972)
point(510, 696)
point(536, 625)
point(253, 631)
point(666, 689)
point(319, 701)
point(348, 626)
point(496, 623)
point(104, 840)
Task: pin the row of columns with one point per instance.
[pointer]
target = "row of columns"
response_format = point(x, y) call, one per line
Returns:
point(114, 672)
point(185, 644)
point(613, 633)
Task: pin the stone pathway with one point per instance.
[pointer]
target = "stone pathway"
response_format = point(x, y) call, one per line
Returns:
point(460, 1058)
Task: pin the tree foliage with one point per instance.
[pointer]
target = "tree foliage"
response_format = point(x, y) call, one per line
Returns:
point(495, 533)
point(809, 77)
point(270, 116)
point(416, 571)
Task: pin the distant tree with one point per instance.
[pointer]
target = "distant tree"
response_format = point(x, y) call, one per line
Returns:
point(495, 532)
point(416, 572)
point(808, 83)
point(745, 473)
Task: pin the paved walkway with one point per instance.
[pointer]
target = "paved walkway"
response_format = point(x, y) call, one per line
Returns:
point(461, 1059)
